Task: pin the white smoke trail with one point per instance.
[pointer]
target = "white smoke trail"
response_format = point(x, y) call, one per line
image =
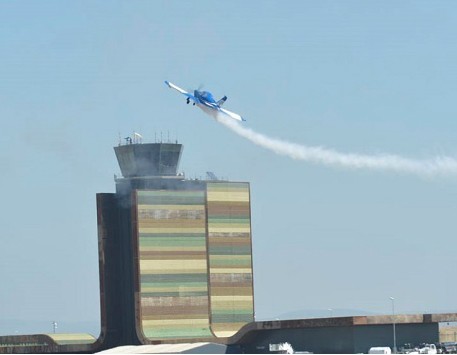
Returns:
point(437, 166)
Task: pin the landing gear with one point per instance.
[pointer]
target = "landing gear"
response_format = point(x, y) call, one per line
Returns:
point(188, 100)
point(193, 104)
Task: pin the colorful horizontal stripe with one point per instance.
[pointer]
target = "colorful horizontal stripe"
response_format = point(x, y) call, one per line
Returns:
point(171, 198)
point(230, 264)
point(173, 264)
point(195, 265)
point(72, 338)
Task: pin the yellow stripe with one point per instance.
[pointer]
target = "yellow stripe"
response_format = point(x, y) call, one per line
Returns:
point(221, 327)
point(174, 322)
point(228, 189)
point(227, 196)
point(76, 336)
point(224, 334)
point(230, 298)
point(228, 225)
point(212, 229)
point(241, 305)
point(173, 265)
point(171, 207)
point(181, 249)
point(171, 272)
point(230, 257)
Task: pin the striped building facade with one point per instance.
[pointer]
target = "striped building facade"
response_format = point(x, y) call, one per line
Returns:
point(194, 261)
point(230, 257)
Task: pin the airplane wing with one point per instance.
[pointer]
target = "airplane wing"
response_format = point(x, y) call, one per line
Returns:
point(232, 114)
point(177, 88)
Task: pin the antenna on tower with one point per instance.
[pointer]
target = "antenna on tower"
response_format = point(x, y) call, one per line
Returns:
point(211, 176)
point(138, 138)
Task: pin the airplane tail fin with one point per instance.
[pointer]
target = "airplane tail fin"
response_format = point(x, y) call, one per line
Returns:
point(221, 101)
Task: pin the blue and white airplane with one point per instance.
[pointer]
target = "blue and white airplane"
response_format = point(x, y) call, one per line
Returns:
point(206, 101)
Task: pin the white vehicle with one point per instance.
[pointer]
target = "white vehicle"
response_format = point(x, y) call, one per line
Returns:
point(281, 348)
point(428, 349)
point(380, 350)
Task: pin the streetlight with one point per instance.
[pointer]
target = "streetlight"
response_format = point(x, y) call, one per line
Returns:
point(331, 312)
point(54, 326)
point(393, 324)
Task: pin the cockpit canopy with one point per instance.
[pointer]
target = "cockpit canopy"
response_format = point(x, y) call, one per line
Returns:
point(207, 96)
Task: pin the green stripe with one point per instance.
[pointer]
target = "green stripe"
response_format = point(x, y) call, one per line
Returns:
point(235, 262)
point(157, 333)
point(171, 198)
point(172, 242)
point(158, 285)
point(243, 186)
point(229, 250)
point(175, 294)
point(75, 341)
point(172, 235)
point(232, 318)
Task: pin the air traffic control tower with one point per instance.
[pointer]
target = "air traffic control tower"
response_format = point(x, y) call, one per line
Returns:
point(175, 254)
point(176, 267)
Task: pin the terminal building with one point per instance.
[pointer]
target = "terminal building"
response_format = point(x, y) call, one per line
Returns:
point(175, 259)
point(175, 254)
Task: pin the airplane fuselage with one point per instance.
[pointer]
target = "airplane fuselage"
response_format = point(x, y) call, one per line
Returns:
point(206, 101)
point(205, 98)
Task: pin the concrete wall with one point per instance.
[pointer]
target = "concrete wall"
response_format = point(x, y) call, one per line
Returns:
point(116, 271)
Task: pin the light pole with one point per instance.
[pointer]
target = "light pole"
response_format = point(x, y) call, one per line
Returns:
point(54, 326)
point(331, 312)
point(393, 324)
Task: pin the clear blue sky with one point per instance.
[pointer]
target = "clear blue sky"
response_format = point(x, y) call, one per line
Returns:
point(355, 76)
